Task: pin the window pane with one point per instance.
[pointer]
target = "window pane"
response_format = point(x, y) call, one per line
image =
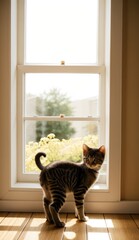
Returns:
point(68, 94)
point(60, 140)
point(61, 30)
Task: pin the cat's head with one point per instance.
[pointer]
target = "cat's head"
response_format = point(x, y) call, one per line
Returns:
point(93, 157)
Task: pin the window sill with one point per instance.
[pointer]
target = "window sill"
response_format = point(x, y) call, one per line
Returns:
point(36, 186)
point(26, 186)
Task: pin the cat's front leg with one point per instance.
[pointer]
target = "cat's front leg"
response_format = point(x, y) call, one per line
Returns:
point(79, 210)
point(76, 212)
point(81, 216)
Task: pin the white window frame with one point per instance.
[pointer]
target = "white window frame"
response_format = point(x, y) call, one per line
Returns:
point(23, 68)
point(113, 61)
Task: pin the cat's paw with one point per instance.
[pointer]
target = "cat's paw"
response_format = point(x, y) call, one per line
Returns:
point(84, 219)
point(60, 224)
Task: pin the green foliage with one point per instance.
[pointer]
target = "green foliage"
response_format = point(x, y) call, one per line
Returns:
point(54, 103)
point(56, 149)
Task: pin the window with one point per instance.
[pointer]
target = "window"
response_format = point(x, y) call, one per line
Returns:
point(48, 64)
point(61, 80)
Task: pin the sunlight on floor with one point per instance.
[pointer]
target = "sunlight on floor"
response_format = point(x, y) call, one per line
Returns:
point(31, 235)
point(36, 222)
point(70, 235)
point(71, 222)
point(109, 223)
point(13, 225)
point(100, 223)
point(97, 228)
point(96, 223)
point(12, 220)
point(98, 236)
point(27, 226)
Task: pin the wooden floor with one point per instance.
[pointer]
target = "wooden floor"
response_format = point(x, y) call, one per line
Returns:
point(32, 226)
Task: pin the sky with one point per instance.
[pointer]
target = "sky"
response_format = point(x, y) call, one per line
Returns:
point(62, 30)
point(76, 86)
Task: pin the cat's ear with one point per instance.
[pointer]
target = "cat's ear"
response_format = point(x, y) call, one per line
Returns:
point(102, 149)
point(85, 149)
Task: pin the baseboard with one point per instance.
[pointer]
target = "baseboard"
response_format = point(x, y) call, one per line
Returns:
point(125, 207)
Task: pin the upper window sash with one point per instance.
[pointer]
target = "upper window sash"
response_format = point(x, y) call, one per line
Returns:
point(21, 35)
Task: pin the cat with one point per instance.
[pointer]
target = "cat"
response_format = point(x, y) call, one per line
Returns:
point(60, 177)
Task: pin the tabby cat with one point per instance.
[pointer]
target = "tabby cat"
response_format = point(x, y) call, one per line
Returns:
point(58, 178)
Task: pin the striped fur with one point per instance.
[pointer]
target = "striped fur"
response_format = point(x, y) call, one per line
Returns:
point(58, 178)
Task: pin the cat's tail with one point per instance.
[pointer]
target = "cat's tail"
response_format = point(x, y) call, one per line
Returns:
point(37, 160)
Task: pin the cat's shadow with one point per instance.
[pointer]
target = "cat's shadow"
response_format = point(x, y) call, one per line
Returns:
point(49, 231)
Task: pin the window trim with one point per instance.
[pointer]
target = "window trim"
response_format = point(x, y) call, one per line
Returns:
point(113, 72)
point(34, 68)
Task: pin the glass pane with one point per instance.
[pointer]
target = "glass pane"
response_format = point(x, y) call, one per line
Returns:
point(60, 140)
point(61, 30)
point(68, 94)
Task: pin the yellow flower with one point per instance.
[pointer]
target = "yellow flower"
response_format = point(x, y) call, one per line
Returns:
point(51, 136)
